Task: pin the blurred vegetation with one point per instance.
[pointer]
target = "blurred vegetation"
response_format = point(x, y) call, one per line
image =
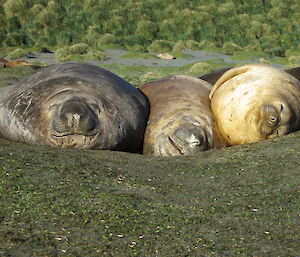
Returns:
point(17, 53)
point(200, 68)
point(272, 26)
point(79, 52)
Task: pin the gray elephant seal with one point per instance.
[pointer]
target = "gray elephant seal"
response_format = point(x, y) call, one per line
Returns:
point(255, 102)
point(180, 120)
point(74, 105)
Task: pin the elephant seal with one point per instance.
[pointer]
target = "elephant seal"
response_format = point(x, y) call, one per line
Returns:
point(9, 64)
point(166, 56)
point(74, 105)
point(180, 120)
point(213, 76)
point(295, 72)
point(255, 102)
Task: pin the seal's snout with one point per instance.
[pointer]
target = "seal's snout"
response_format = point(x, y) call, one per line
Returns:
point(188, 139)
point(75, 117)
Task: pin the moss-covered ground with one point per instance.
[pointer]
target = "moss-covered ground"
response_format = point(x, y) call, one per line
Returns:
point(237, 201)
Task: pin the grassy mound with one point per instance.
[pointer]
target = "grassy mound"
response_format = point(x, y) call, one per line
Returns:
point(238, 201)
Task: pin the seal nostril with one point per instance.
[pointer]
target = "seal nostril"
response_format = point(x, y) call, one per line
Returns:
point(195, 143)
point(190, 139)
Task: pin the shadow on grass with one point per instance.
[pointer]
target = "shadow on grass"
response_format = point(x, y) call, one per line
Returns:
point(238, 201)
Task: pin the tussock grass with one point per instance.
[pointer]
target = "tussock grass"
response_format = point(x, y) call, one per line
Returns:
point(17, 53)
point(200, 68)
point(161, 46)
point(79, 52)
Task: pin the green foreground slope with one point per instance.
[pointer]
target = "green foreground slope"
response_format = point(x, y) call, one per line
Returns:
point(238, 201)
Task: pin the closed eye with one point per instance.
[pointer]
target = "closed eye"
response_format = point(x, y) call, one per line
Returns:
point(52, 106)
point(281, 107)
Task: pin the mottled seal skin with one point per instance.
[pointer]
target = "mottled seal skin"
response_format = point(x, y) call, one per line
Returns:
point(74, 105)
point(180, 120)
point(255, 102)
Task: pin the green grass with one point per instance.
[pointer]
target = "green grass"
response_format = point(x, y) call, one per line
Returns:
point(238, 201)
point(248, 55)
point(10, 76)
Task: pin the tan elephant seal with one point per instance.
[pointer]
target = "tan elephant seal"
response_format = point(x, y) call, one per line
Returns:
point(74, 105)
point(254, 102)
point(166, 56)
point(180, 120)
point(14, 63)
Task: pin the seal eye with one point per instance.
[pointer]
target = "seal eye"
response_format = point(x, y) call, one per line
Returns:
point(51, 107)
point(95, 108)
point(281, 107)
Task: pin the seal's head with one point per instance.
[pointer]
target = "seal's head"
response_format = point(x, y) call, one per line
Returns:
point(180, 120)
point(74, 122)
point(255, 102)
point(78, 116)
point(183, 136)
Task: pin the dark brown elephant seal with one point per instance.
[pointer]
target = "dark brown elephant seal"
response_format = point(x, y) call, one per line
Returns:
point(255, 102)
point(180, 120)
point(213, 76)
point(74, 105)
point(295, 72)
